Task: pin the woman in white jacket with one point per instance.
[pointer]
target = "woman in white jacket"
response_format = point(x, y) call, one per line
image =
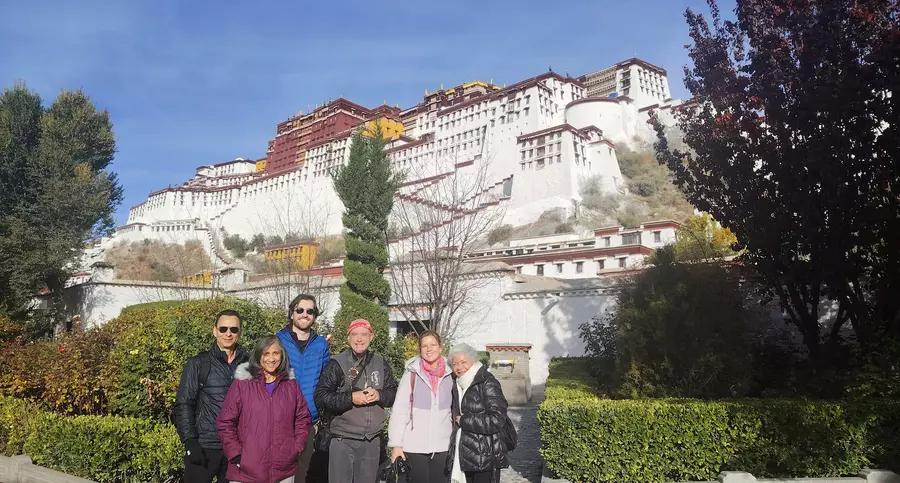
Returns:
point(420, 426)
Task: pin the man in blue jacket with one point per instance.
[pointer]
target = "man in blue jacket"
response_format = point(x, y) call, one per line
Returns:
point(308, 353)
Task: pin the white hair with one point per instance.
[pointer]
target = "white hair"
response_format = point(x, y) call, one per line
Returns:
point(466, 350)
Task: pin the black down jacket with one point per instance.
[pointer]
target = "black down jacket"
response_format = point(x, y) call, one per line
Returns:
point(196, 408)
point(483, 417)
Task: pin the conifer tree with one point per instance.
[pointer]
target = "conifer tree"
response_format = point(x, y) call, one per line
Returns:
point(56, 190)
point(366, 185)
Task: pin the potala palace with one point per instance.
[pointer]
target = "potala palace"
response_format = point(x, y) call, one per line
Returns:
point(531, 144)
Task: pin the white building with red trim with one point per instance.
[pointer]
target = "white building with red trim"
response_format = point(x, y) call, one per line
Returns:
point(538, 140)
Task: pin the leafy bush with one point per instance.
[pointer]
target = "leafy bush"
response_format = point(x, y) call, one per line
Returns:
point(162, 304)
point(236, 245)
point(153, 343)
point(553, 215)
point(100, 448)
point(585, 438)
point(10, 329)
point(652, 195)
point(24, 368)
point(644, 186)
point(79, 377)
point(131, 365)
point(679, 331)
point(14, 413)
point(500, 234)
point(564, 227)
point(701, 238)
point(410, 346)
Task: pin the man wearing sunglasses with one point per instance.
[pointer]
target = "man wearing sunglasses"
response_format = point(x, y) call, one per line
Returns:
point(308, 353)
point(204, 382)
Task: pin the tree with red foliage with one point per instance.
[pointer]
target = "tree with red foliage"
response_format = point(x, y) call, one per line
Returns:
point(795, 139)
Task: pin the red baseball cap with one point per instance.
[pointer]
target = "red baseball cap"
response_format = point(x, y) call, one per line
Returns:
point(360, 323)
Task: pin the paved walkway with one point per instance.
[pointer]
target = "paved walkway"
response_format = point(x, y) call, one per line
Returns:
point(525, 461)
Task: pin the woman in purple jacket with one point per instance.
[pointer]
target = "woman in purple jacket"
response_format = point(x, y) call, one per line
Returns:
point(264, 421)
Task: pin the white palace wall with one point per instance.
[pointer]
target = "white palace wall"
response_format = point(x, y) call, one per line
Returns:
point(497, 135)
point(502, 310)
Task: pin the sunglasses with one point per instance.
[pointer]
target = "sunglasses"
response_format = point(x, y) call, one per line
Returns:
point(234, 330)
point(301, 311)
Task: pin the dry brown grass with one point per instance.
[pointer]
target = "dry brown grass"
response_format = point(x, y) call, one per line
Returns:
point(157, 261)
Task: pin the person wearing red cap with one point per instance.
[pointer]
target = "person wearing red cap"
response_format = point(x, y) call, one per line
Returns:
point(354, 389)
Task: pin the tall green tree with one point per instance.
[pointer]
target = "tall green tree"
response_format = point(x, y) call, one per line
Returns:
point(55, 189)
point(366, 185)
point(796, 143)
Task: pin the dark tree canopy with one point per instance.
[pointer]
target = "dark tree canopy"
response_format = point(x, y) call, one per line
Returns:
point(794, 139)
point(55, 189)
point(366, 185)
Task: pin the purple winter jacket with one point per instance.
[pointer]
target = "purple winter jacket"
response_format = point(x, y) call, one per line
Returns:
point(268, 431)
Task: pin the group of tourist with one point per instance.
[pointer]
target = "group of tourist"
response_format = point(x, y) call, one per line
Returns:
point(261, 417)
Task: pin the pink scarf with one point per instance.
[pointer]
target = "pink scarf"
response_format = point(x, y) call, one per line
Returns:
point(434, 371)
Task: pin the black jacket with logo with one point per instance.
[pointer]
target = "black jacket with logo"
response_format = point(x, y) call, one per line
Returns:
point(196, 407)
point(334, 395)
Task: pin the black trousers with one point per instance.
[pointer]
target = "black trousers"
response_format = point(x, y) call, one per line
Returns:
point(425, 468)
point(216, 466)
point(484, 477)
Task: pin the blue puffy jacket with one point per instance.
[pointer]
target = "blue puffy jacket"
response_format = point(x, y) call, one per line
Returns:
point(307, 365)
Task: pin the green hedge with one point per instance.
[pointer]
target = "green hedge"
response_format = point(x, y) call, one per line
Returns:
point(100, 448)
point(570, 379)
point(587, 439)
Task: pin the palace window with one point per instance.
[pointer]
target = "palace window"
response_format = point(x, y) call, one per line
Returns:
point(631, 239)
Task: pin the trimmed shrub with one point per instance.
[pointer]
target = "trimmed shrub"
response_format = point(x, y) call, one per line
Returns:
point(686, 440)
point(588, 439)
point(570, 379)
point(13, 415)
point(163, 304)
point(100, 448)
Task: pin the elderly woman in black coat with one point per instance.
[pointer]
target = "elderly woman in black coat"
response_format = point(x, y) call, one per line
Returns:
point(477, 450)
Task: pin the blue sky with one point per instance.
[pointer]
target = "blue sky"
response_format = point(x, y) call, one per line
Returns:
point(190, 83)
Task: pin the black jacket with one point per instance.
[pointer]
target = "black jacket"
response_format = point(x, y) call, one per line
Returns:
point(483, 417)
point(334, 396)
point(196, 408)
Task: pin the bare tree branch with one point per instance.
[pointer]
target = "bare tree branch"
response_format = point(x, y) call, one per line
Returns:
point(441, 220)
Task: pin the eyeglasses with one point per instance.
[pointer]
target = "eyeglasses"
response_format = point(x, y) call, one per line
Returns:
point(234, 330)
point(301, 311)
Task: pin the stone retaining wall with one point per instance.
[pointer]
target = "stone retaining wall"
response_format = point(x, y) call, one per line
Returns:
point(20, 469)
